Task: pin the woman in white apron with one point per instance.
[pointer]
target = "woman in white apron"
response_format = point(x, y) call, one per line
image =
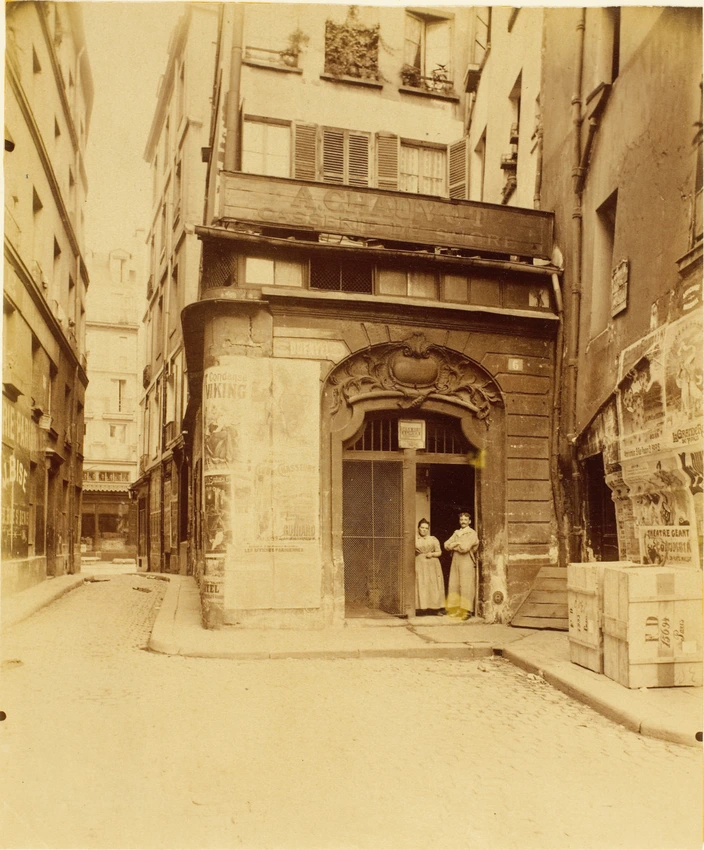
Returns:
point(460, 593)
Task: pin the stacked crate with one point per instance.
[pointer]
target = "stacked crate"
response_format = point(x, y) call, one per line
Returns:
point(652, 626)
point(585, 607)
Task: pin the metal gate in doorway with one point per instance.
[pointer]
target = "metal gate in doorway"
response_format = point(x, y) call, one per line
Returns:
point(372, 537)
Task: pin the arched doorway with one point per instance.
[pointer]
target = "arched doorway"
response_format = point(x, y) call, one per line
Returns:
point(414, 428)
point(396, 471)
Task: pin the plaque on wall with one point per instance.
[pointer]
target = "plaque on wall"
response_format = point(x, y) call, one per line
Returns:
point(411, 433)
point(619, 288)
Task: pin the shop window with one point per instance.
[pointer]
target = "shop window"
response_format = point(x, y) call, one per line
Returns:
point(108, 523)
point(263, 272)
point(426, 50)
point(412, 284)
point(335, 276)
point(422, 169)
point(266, 147)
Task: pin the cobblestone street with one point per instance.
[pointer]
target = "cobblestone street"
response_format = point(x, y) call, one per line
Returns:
point(107, 745)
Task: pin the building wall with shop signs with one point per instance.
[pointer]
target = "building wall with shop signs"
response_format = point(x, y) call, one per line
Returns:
point(47, 112)
point(639, 393)
point(267, 465)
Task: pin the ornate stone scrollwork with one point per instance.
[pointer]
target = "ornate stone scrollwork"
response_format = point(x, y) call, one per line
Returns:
point(412, 371)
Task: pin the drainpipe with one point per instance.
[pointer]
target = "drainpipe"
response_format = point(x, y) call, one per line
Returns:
point(232, 105)
point(557, 495)
point(573, 314)
point(539, 167)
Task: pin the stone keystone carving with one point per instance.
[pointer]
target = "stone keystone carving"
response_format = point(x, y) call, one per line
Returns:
point(412, 371)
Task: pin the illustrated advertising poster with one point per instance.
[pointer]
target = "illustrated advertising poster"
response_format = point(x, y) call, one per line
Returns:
point(672, 546)
point(17, 442)
point(684, 383)
point(641, 405)
point(664, 510)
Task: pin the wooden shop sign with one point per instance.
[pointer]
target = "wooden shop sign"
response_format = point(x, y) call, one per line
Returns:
point(387, 215)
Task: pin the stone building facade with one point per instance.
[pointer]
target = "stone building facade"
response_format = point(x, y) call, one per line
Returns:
point(628, 220)
point(368, 346)
point(109, 515)
point(179, 130)
point(48, 101)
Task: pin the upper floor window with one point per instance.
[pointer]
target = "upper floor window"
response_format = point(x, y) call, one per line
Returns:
point(266, 147)
point(414, 284)
point(426, 49)
point(422, 169)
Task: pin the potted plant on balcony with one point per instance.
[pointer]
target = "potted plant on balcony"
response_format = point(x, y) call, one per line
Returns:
point(351, 49)
point(296, 42)
point(410, 76)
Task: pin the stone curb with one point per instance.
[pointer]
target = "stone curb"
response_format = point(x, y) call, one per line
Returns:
point(12, 618)
point(649, 726)
point(162, 636)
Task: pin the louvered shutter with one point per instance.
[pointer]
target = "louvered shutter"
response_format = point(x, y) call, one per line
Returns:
point(458, 169)
point(304, 158)
point(333, 155)
point(386, 161)
point(358, 159)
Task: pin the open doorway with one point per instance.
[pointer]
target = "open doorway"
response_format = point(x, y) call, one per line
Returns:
point(442, 491)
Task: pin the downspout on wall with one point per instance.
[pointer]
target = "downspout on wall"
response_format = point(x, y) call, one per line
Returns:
point(569, 448)
point(232, 105)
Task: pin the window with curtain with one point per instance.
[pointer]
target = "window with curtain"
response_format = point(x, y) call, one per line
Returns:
point(423, 170)
point(427, 44)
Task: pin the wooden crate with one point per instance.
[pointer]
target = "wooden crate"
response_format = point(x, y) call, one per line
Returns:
point(653, 626)
point(585, 606)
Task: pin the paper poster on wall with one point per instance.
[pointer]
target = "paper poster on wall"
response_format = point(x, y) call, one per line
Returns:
point(684, 383)
point(641, 405)
point(672, 546)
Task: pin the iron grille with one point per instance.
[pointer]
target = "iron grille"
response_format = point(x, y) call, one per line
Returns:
point(335, 276)
point(373, 536)
point(442, 436)
point(219, 265)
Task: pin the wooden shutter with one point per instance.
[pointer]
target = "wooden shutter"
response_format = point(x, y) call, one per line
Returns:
point(358, 158)
point(457, 159)
point(386, 161)
point(333, 155)
point(304, 155)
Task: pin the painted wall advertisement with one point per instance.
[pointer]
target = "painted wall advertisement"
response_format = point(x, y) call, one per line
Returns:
point(262, 480)
point(660, 441)
point(18, 439)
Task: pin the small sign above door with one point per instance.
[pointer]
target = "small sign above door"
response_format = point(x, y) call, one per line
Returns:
point(411, 433)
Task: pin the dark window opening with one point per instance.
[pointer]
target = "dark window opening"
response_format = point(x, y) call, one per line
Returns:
point(335, 276)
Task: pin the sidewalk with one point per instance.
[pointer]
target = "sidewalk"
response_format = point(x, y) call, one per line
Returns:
point(672, 714)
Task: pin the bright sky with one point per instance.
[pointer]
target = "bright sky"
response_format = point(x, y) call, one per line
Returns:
point(127, 49)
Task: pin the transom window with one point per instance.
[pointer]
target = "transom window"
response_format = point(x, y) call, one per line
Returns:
point(415, 284)
point(443, 435)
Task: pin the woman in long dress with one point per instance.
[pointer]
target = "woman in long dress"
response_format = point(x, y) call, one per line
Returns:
point(430, 587)
point(463, 544)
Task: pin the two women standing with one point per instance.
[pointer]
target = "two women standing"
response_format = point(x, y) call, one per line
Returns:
point(430, 588)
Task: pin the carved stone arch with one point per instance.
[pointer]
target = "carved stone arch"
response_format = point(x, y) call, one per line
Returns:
point(407, 375)
point(417, 377)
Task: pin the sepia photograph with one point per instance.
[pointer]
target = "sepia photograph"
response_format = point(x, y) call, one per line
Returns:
point(352, 454)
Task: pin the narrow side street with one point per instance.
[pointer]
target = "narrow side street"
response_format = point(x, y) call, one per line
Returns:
point(107, 745)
